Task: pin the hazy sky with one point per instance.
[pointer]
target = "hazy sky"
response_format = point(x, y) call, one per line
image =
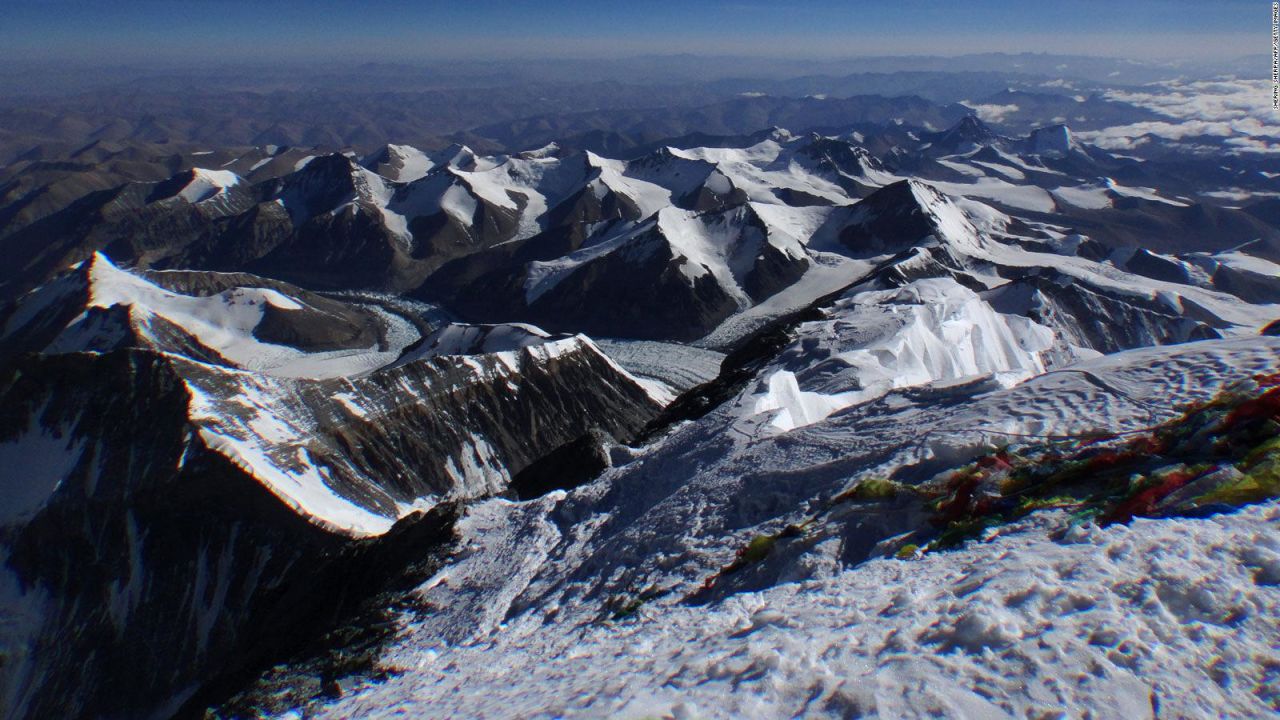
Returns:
point(133, 30)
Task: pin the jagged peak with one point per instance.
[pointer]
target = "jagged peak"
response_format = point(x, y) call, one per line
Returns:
point(912, 211)
point(970, 127)
point(457, 156)
point(550, 150)
point(965, 135)
point(1053, 139)
point(400, 163)
point(846, 156)
point(328, 183)
point(204, 184)
point(477, 339)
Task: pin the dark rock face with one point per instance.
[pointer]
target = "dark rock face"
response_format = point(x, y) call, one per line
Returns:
point(968, 133)
point(159, 563)
point(333, 251)
point(888, 220)
point(143, 223)
point(1154, 266)
point(337, 594)
point(314, 331)
point(600, 297)
point(587, 206)
point(1106, 322)
point(1250, 287)
point(568, 466)
point(772, 271)
point(153, 555)
point(1136, 222)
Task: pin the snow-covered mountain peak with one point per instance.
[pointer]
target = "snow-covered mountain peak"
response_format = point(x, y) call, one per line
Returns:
point(335, 184)
point(399, 163)
point(205, 184)
point(844, 157)
point(456, 155)
point(806, 313)
point(465, 339)
point(550, 150)
point(1054, 140)
point(970, 127)
point(319, 186)
point(967, 135)
point(779, 134)
point(906, 214)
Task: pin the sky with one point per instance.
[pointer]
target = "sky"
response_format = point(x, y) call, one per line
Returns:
point(209, 30)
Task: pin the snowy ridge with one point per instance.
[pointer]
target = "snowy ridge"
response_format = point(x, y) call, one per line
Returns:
point(270, 446)
point(460, 339)
point(260, 430)
point(724, 246)
point(249, 419)
point(223, 323)
point(268, 407)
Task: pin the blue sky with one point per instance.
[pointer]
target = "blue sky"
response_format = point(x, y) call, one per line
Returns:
point(129, 30)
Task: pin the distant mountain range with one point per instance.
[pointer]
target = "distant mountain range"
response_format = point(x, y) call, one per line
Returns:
point(251, 389)
point(514, 106)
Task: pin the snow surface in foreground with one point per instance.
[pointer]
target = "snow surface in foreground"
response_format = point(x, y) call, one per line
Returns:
point(1174, 618)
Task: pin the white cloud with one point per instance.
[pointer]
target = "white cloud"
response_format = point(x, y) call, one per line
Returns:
point(1239, 111)
point(990, 113)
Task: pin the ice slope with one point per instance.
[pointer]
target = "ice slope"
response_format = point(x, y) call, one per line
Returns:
point(1163, 617)
point(929, 331)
